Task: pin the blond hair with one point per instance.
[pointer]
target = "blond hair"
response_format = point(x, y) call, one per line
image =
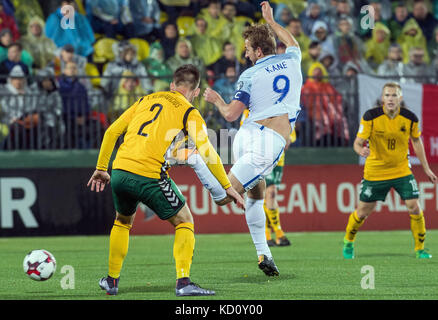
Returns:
point(394, 85)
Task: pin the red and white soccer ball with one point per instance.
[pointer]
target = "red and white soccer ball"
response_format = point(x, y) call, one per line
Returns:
point(39, 265)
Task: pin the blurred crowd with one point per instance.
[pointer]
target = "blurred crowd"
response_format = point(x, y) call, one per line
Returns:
point(70, 68)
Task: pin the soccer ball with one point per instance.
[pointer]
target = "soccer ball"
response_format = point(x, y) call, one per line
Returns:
point(39, 265)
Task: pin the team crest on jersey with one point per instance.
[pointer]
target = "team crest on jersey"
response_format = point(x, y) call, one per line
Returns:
point(403, 128)
point(368, 192)
point(239, 85)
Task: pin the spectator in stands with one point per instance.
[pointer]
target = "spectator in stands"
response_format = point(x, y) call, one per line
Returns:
point(296, 30)
point(157, 68)
point(282, 14)
point(8, 22)
point(347, 87)
point(49, 103)
point(19, 106)
point(364, 29)
point(417, 68)
point(65, 55)
point(400, 17)
point(433, 47)
point(320, 33)
point(323, 106)
point(111, 17)
point(25, 11)
point(5, 42)
point(184, 55)
point(226, 87)
point(37, 44)
point(61, 31)
point(343, 8)
point(424, 18)
point(169, 38)
point(76, 109)
point(312, 14)
point(127, 94)
point(229, 11)
point(244, 8)
point(205, 46)
point(228, 59)
point(393, 65)
point(13, 59)
point(348, 47)
point(126, 59)
point(217, 24)
point(377, 47)
point(412, 36)
point(310, 56)
point(330, 63)
point(146, 15)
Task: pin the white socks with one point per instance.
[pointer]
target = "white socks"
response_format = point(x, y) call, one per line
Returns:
point(207, 179)
point(256, 219)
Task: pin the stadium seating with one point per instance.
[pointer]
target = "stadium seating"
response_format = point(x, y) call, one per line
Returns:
point(142, 48)
point(103, 50)
point(243, 19)
point(185, 25)
point(92, 71)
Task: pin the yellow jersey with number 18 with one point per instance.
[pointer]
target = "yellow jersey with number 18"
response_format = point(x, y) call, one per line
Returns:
point(388, 142)
point(150, 126)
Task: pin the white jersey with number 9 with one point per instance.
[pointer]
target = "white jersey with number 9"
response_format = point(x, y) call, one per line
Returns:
point(272, 86)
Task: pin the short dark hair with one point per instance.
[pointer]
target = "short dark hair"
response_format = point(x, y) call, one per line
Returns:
point(261, 36)
point(314, 44)
point(227, 43)
point(229, 3)
point(187, 76)
point(16, 44)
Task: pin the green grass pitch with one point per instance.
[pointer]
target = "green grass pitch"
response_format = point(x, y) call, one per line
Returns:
point(311, 269)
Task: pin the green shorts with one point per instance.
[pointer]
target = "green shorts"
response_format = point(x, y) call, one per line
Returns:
point(372, 191)
point(274, 178)
point(161, 195)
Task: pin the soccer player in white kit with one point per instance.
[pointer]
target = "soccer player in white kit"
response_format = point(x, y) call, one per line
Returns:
point(271, 90)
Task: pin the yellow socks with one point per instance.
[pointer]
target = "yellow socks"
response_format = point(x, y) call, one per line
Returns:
point(354, 223)
point(183, 247)
point(418, 227)
point(268, 229)
point(119, 242)
point(273, 215)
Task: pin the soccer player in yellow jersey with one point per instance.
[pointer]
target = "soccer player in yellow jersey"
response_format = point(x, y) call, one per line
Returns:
point(139, 173)
point(388, 130)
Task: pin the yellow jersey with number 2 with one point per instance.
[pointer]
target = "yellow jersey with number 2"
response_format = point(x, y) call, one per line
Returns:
point(150, 126)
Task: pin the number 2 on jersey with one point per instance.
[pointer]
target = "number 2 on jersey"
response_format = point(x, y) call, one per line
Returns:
point(140, 131)
point(283, 91)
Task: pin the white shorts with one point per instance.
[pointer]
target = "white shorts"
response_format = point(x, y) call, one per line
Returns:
point(256, 151)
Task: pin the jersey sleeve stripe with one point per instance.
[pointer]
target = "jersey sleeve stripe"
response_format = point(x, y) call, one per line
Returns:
point(186, 116)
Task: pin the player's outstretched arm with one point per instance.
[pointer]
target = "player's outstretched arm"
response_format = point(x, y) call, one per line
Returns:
point(100, 177)
point(231, 111)
point(418, 146)
point(284, 35)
